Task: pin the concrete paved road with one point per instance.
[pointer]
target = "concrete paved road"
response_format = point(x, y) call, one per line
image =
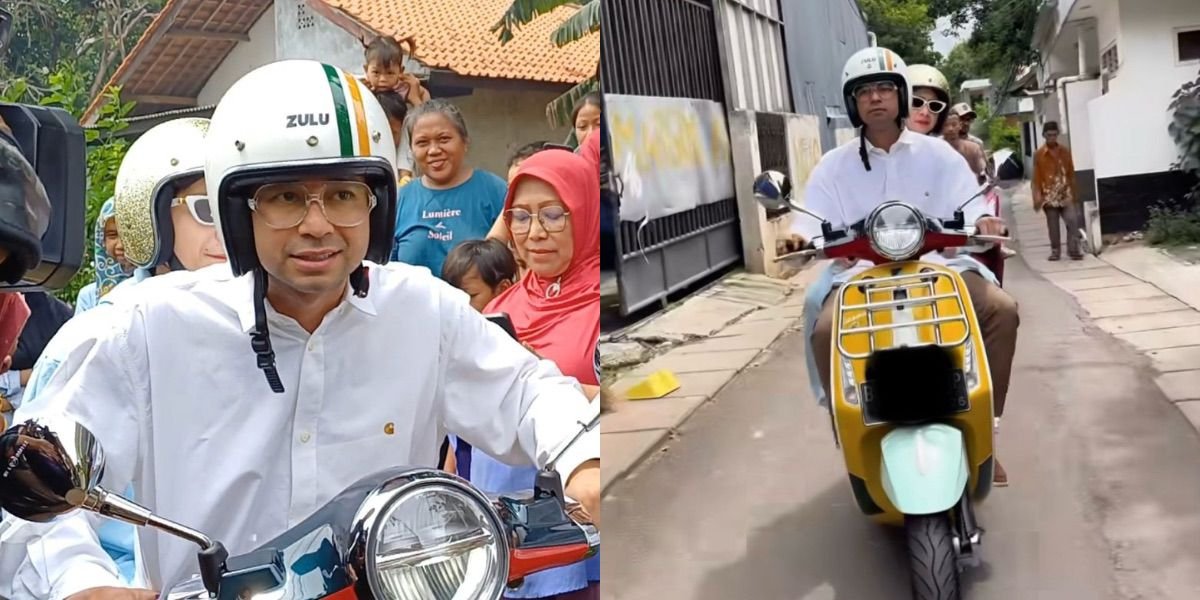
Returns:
point(751, 501)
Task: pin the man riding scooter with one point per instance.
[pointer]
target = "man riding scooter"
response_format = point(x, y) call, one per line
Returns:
point(889, 162)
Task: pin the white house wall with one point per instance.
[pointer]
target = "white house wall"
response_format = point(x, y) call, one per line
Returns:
point(1108, 24)
point(1079, 134)
point(1131, 120)
point(245, 57)
point(302, 33)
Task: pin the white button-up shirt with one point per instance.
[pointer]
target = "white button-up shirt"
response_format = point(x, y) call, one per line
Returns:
point(923, 171)
point(171, 389)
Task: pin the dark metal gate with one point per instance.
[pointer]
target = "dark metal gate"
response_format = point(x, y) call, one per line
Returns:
point(667, 48)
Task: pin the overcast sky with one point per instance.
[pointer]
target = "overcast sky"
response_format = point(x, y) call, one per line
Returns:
point(943, 43)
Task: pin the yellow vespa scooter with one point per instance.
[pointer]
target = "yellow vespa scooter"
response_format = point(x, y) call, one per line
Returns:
point(912, 398)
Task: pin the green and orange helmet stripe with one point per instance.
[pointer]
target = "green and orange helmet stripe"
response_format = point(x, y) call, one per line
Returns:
point(347, 99)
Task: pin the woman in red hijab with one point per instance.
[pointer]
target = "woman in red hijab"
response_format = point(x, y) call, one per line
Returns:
point(553, 214)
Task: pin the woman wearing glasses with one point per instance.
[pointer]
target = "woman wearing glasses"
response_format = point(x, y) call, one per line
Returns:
point(451, 202)
point(553, 216)
point(931, 97)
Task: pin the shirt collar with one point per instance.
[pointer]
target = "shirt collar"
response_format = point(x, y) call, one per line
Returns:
point(907, 138)
point(245, 302)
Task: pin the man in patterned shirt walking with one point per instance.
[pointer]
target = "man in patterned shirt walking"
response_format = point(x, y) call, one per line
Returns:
point(1054, 191)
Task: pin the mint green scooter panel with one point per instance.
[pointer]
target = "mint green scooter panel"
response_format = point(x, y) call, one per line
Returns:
point(924, 468)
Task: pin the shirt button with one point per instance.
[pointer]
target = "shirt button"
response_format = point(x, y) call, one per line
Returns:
point(304, 437)
point(312, 346)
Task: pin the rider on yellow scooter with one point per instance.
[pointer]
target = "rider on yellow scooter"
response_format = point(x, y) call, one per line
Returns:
point(889, 162)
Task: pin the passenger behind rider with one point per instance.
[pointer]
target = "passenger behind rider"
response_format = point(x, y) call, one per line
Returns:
point(160, 175)
point(890, 162)
point(931, 98)
point(972, 152)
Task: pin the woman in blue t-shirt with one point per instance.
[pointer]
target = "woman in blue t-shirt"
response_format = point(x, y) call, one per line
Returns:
point(451, 202)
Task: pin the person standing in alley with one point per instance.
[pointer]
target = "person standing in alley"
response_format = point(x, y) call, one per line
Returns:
point(1054, 192)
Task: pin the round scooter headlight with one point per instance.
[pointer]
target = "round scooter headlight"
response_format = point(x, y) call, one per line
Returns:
point(896, 231)
point(437, 542)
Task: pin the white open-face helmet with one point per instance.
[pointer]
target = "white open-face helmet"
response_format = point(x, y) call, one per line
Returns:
point(166, 156)
point(293, 120)
point(869, 65)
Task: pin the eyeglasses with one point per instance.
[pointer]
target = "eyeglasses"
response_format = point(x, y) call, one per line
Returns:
point(199, 206)
point(884, 88)
point(553, 219)
point(285, 205)
point(935, 106)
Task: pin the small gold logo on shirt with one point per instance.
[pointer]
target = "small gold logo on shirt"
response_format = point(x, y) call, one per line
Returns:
point(390, 428)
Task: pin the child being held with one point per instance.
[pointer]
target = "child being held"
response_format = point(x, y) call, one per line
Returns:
point(384, 70)
point(396, 110)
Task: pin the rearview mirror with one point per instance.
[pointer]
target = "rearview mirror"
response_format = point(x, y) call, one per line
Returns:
point(48, 468)
point(773, 190)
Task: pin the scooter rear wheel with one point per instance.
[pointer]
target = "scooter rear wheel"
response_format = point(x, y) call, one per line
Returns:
point(931, 557)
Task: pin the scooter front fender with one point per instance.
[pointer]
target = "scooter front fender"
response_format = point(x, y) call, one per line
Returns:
point(924, 468)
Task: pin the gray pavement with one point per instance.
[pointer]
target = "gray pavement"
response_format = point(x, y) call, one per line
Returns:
point(749, 499)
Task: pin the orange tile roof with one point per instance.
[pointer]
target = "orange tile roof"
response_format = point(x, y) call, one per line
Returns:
point(456, 35)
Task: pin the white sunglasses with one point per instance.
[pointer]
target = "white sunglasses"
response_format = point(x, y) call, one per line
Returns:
point(199, 206)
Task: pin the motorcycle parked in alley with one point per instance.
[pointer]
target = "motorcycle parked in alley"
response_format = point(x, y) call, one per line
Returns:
point(405, 533)
point(911, 397)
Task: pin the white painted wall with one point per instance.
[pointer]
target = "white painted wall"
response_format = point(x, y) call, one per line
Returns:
point(1108, 24)
point(245, 57)
point(302, 33)
point(1078, 122)
point(1130, 122)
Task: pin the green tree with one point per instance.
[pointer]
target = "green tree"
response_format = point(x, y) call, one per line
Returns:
point(1002, 38)
point(66, 88)
point(1185, 130)
point(960, 65)
point(903, 26)
point(95, 35)
point(584, 22)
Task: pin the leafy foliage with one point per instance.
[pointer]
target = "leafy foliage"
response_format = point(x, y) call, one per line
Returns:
point(67, 89)
point(579, 25)
point(94, 34)
point(996, 130)
point(1002, 39)
point(962, 64)
point(1170, 226)
point(1185, 130)
point(904, 27)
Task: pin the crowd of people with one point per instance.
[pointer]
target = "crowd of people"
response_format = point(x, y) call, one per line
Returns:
point(524, 246)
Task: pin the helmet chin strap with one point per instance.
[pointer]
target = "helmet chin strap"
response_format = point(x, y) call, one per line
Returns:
point(360, 281)
point(260, 337)
point(862, 147)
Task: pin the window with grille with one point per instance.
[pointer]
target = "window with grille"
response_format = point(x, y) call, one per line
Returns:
point(1187, 44)
point(1110, 61)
